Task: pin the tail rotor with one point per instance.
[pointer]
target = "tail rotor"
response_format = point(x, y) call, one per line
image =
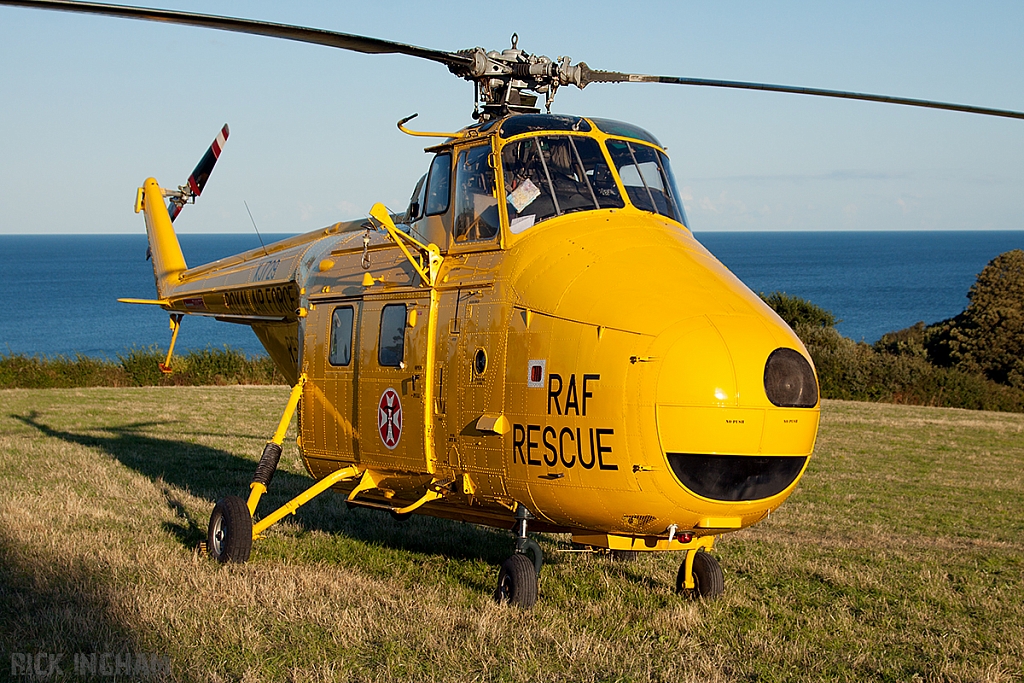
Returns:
point(186, 194)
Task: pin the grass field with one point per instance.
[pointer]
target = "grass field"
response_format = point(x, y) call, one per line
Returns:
point(900, 557)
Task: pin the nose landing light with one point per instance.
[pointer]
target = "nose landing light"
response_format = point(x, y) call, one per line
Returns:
point(789, 380)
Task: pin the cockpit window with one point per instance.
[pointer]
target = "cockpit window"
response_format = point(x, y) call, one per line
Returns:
point(438, 194)
point(648, 180)
point(528, 123)
point(415, 210)
point(476, 203)
point(553, 175)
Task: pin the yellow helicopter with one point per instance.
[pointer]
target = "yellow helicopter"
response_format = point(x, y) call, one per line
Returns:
point(536, 343)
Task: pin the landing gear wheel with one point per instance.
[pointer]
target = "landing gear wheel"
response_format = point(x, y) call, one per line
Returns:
point(707, 575)
point(625, 555)
point(517, 582)
point(229, 538)
point(400, 516)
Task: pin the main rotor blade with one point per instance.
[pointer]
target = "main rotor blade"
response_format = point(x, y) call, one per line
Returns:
point(592, 76)
point(345, 41)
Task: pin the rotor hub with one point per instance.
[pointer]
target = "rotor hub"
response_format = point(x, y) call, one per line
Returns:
point(510, 81)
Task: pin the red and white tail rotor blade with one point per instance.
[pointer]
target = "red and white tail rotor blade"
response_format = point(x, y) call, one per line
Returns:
point(201, 174)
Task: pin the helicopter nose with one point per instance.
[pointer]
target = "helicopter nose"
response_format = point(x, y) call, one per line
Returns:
point(732, 407)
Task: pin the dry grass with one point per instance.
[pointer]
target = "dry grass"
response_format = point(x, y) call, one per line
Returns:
point(899, 558)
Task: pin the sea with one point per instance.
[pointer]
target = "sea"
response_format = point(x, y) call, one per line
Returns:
point(58, 293)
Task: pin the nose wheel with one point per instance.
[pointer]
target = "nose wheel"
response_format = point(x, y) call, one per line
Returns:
point(519, 575)
point(708, 581)
point(517, 582)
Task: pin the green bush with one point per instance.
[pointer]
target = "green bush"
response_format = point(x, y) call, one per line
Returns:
point(988, 337)
point(799, 312)
point(141, 366)
point(912, 341)
point(858, 372)
point(137, 367)
point(60, 371)
point(896, 369)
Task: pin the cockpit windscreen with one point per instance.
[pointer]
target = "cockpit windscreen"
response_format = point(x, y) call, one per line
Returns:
point(647, 177)
point(553, 175)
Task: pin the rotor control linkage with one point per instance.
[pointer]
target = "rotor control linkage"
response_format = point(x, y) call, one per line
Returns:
point(272, 451)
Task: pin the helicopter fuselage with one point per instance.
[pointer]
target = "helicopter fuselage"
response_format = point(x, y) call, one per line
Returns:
point(590, 361)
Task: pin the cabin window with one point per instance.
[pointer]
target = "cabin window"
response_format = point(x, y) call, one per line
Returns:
point(476, 206)
point(438, 194)
point(341, 336)
point(553, 175)
point(647, 177)
point(391, 350)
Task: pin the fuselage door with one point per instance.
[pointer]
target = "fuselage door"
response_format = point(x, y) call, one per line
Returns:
point(393, 415)
point(329, 406)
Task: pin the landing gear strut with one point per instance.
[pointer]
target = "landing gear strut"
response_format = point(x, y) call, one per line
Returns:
point(708, 581)
point(517, 580)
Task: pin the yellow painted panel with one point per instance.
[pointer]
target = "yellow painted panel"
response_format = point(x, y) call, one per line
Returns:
point(697, 369)
point(642, 543)
point(733, 431)
point(720, 523)
point(789, 431)
point(750, 343)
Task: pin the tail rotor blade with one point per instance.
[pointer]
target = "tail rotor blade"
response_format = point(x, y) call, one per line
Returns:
point(197, 181)
point(200, 175)
point(173, 208)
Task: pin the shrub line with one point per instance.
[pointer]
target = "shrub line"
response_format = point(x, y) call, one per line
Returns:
point(137, 367)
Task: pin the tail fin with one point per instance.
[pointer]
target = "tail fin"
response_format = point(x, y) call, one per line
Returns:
point(168, 261)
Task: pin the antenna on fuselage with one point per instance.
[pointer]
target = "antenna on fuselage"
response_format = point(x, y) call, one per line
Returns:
point(255, 228)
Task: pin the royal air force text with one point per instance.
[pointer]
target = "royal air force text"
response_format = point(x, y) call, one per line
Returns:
point(553, 444)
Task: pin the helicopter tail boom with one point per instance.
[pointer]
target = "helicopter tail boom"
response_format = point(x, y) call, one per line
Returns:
point(168, 261)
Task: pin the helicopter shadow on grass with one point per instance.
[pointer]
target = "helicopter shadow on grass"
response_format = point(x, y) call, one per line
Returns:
point(211, 473)
point(55, 608)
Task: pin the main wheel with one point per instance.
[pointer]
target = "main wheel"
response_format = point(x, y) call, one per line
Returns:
point(707, 575)
point(517, 582)
point(229, 538)
point(625, 555)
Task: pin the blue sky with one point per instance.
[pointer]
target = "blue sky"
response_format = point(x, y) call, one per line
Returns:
point(91, 106)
